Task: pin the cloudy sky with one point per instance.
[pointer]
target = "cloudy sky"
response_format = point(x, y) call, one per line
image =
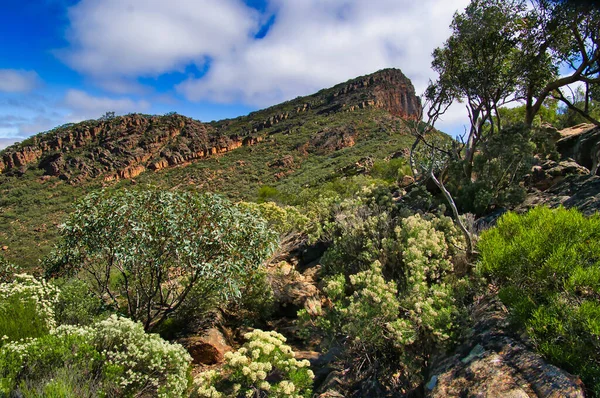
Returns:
point(69, 60)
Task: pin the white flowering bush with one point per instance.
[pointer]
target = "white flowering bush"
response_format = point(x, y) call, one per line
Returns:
point(402, 306)
point(26, 308)
point(264, 366)
point(426, 255)
point(114, 357)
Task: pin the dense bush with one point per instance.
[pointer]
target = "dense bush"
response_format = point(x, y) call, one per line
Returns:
point(77, 304)
point(547, 263)
point(144, 251)
point(390, 170)
point(499, 168)
point(396, 309)
point(113, 357)
point(264, 366)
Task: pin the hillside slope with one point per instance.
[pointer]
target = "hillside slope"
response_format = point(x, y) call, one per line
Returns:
point(299, 143)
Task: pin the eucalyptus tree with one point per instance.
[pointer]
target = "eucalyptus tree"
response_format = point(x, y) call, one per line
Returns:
point(476, 66)
point(144, 251)
point(503, 51)
point(559, 45)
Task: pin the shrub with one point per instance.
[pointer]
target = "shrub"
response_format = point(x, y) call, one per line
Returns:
point(284, 220)
point(264, 365)
point(547, 265)
point(26, 308)
point(143, 251)
point(77, 304)
point(394, 312)
point(501, 164)
point(113, 357)
point(390, 170)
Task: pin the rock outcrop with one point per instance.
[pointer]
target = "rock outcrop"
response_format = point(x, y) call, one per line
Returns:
point(493, 363)
point(582, 144)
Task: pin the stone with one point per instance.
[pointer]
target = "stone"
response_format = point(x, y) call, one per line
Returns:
point(551, 173)
point(581, 143)
point(208, 348)
point(574, 191)
point(406, 181)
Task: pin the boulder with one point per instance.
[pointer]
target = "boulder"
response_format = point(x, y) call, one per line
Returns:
point(208, 348)
point(581, 143)
point(550, 173)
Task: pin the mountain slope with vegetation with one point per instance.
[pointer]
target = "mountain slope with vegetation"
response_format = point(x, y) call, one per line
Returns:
point(302, 142)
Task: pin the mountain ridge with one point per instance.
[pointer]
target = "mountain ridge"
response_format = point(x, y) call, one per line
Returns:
point(126, 146)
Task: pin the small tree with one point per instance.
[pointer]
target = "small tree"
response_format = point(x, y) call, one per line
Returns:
point(144, 251)
point(107, 116)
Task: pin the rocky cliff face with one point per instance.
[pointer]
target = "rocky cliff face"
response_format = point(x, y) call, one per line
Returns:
point(124, 147)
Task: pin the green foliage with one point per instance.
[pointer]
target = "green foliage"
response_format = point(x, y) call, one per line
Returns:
point(113, 357)
point(264, 366)
point(546, 263)
point(26, 308)
point(285, 220)
point(390, 170)
point(499, 167)
point(77, 304)
point(143, 251)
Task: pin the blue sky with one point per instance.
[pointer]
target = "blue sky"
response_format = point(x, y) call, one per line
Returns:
point(69, 60)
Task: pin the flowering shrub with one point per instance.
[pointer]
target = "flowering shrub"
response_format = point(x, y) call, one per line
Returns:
point(114, 356)
point(426, 256)
point(7, 270)
point(403, 304)
point(264, 365)
point(26, 308)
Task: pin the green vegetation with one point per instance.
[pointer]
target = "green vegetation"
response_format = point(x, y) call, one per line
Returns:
point(145, 251)
point(319, 235)
point(111, 357)
point(392, 287)
point(547, 265)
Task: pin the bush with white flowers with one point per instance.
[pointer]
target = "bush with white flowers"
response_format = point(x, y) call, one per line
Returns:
point(26, 308)
point(264, 365)
point(399, 308)
point(113, 357)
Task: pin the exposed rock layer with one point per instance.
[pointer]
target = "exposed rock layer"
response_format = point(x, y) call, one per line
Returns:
point(581, 143)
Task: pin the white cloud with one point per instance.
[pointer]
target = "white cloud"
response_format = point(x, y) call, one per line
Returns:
point(18, 81)
point(312, 44)
point(315, 44)
point(85, 106)
point(150, 37)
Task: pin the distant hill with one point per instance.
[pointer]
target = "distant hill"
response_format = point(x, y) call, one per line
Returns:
point(298, 143)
